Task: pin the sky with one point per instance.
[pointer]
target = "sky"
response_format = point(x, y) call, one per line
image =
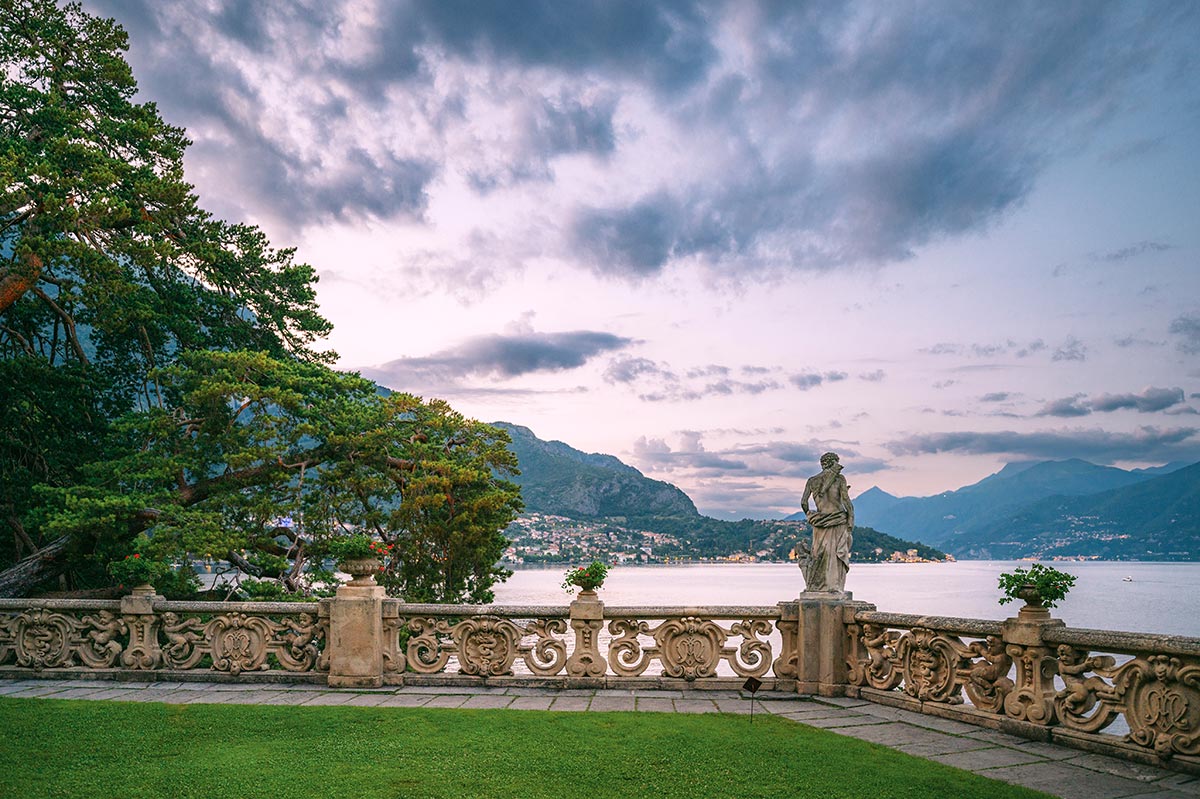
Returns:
point(716, 239)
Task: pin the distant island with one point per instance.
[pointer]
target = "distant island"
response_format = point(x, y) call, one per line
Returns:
point(581, 506)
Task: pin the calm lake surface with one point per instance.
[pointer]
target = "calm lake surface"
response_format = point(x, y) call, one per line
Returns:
point(1160, 598)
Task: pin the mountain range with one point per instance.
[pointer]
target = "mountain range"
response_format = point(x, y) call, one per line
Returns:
point(1068, 508)
point(559, 480)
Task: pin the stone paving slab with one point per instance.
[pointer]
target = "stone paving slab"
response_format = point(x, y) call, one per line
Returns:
point(1112, 765)
point(531, 703)
point(979, 760)
point(695, 706)
point(571, 703)
point(1070, 782)
point(448, 700)
point(487, 701)
point(611, 703)
point(842, 720)
point(335, 699)
point(292, 697)
point(655, 705)
point(405, 700)
point(368, 700)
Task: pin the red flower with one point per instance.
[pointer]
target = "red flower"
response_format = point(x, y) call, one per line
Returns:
point(136, 555)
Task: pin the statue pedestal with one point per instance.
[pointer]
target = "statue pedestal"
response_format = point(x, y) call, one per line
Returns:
point(820, 620)
point(356, 637)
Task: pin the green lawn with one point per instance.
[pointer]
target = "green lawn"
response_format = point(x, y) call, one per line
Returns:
point(63, 748)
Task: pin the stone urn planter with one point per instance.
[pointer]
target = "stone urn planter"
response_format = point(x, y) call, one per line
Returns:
point(1034, 607)
point(145, 589)
point(361, 570)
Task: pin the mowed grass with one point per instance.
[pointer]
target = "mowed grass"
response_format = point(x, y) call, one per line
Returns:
point(64, 748)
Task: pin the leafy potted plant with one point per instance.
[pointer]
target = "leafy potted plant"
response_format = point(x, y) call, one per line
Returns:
point(586, 578)
point(1040, 587)
point(138, 572)
point(360, 556)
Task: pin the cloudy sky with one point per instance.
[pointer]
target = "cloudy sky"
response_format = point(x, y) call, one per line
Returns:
point(717, 239)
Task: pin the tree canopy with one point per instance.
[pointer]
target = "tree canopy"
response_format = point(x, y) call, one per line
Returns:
point(160, 382)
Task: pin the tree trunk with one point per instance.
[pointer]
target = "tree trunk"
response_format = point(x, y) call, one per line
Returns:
point(21, 578)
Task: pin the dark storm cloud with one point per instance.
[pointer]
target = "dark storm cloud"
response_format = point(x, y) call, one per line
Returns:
point(1146, 443)
point(966, 108)
point(1187, 328)
point(504, 356)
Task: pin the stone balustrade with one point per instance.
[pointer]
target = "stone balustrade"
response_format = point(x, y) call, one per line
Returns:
point(1030, 675)
point(1033, 676)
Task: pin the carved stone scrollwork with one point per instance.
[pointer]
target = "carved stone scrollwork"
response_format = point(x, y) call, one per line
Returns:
point(1162, 696)
point(986, 679)
point(1032, 698)
point(394, 659)
point(184, 641)
point(296, 648)
point(625, 653)
point(689, 647)
point(875, 663)
point(42, 639)
point(546, 655)
point(931, 663)
point(1158, 694)
point(240, 642)
point(787, 664)
point(487, 646)
point(426, 652)
point(101, 645)
point(753, 656)
point(1086, 703)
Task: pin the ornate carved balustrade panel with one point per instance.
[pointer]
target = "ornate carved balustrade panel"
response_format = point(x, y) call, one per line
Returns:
point(1156, 688)
point(929, 659)
point(143, 634)
point(60, 634)
point(690, 643)
point(484, 641)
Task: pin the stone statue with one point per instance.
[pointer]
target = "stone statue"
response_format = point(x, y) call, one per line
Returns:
point(827, 560)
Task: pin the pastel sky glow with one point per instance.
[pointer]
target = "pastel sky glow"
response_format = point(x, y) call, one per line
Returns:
point(717, 239)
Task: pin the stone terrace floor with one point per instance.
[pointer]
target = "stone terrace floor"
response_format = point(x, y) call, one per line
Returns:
point(1056, 770)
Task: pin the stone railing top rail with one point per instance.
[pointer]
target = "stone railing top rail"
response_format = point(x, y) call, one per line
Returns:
point(952, 624)
point(1125, 643)
point(60, 604)
point(264, 608)
point(680, 611)
point(610, 611)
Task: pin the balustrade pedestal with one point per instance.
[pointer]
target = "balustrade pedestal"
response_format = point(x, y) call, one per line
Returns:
point(356, 642)
point(586, 665)
point(1032, 699)
point(820, 642)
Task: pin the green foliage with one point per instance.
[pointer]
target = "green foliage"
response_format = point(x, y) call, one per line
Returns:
point(267, 752)
point(251, 438)
point(359, 546)
point(133, 570)
point(1050, 584)
point(588, 577)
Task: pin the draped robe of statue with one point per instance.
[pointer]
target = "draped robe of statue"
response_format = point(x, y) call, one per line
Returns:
point(832, 524)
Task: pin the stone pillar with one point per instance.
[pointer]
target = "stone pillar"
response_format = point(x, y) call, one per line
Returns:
point(1032, 699)
point(137, 611)
point(821, 645)
point(586, 665)
point(356, 642)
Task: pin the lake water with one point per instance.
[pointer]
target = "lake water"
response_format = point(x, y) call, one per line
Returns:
point(1160, 597)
